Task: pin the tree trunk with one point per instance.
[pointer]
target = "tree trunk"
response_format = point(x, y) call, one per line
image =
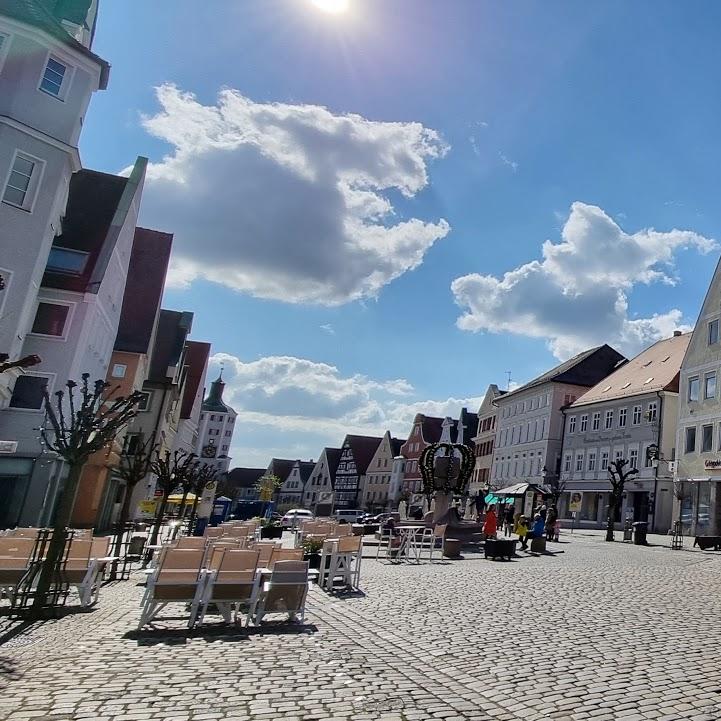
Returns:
point(57, 542)
point(156, 528)
point(611, 520)
point(181, 514)
point(124, 513)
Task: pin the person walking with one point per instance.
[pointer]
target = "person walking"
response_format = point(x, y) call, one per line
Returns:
point(551, 518)
point(509, 520)
point(490, 523)
point(522, 531)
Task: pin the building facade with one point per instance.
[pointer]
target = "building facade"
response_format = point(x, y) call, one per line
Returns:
point(197, 355)
point(318, 493)
point(698, 439)
point(48, 74)
point(424, 431)
point(484, 442)
point(632, 415)
point(529, 425)
point(217, 424)
point(295, 476)
point(376, 489)
point(356, 454)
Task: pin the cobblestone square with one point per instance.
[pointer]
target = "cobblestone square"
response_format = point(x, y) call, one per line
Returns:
point(599, 631)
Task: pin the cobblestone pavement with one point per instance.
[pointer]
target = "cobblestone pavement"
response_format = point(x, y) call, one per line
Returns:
point(601, 631)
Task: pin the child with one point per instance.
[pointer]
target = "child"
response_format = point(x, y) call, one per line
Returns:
point(557, 529)
point(522, 531)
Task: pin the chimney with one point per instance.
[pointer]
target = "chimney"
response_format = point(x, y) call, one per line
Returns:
point(677, 333)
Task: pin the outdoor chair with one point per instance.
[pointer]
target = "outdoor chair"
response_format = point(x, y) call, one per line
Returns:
point(24, 533)
point(191, 543)
point(238, 531)
point(284, 592)
point(345, 562)
point(285, 554)
point(232, 580)
point(265, 550)
point(213, 532)
point(15, 555)
point(388, 544)
point(179, 580)
point(429, 541)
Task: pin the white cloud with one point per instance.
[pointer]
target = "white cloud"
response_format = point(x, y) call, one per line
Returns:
point(288, 202)
point(512, 164)
point(311, 400)
point(328, 328)
point(577, 295)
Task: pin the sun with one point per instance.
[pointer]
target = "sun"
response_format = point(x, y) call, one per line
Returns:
point(332, 6)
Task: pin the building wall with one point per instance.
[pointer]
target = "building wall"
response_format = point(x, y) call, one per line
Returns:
point(377, 480)
point(215, 435)
point(484, 442)
point(291, 492)
point(319, 488)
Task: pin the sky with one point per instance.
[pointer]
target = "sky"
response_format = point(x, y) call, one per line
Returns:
point(379, 212)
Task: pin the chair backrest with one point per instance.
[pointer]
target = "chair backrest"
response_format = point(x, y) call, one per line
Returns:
point(24, 533)
point(285, 554)
point(13, 549)
point(439, 531)
point(186, 543)
point(235, 531)
point(211, 532)
point(238, 560)
point(100, 547)
point(78, 555)
point(290, 572)
point(343, 529)
point(350, 544)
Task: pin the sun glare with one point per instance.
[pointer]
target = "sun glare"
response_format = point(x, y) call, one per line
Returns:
point(332, 6)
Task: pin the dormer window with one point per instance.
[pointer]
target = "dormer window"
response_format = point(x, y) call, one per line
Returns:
point(54, 78)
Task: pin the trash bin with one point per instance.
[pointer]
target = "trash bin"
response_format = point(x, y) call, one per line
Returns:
point(640, 529)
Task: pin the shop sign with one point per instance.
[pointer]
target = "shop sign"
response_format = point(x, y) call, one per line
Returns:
point(712, 464)
point(8, 446)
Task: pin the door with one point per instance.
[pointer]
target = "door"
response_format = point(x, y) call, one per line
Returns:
point(640, 506)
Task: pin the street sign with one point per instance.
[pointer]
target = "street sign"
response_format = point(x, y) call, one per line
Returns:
point(8, 446)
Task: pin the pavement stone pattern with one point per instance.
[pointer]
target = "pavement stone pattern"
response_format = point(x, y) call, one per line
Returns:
point(604, 632)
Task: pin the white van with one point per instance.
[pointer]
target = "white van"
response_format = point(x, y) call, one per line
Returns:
point(348, 515)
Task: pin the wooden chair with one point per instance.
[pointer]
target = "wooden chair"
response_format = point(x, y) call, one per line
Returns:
point(191, 543)
point(231, 581)
point(284, 592)
point(15, 555)
point(285, 554)
point(179, 580)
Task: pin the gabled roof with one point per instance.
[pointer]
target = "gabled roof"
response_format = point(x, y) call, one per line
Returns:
point(173, 329)
point(584, 369)
point(98, 206)
point(396, 444)
point(143, 290)
point(363, 447)
point(305, 468)
point(281, 467)
point(46, 16)
point(196, 359)
point(470, 424)
point(332, 456)
point(244, 477)
point(431, 427)
point(654, 369)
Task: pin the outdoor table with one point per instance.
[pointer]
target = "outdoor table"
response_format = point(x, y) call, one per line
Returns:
point(407, 545)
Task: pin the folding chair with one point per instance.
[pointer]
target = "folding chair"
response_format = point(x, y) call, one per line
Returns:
point(285, 554)
point(15, 555)
point(232, 581)
point(179, 580)
point(284, 592)
point(191, 543)
point(345, 562)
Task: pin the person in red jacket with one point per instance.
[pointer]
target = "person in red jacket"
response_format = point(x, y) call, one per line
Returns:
point(490, 523)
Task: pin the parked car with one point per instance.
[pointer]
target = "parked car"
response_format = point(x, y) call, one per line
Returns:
point(293, 517)
point(348, 515)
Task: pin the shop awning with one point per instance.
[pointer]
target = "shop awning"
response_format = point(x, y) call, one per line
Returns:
point(519, 489)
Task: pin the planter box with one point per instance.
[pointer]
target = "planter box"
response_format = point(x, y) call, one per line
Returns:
point(313, 560)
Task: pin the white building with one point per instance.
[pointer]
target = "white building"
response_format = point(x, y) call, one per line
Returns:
point(530, 419)
point(47, 76)
point(318, 492)
point(217, 423)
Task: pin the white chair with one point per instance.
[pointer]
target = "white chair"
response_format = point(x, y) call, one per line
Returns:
point(428, 542)
point(284, 592)
point(345, 563)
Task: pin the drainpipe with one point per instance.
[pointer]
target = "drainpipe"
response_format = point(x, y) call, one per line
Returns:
point(658, 445)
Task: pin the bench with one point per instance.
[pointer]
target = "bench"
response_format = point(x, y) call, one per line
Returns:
point(704, 542)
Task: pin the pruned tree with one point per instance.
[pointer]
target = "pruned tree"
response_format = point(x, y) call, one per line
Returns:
point(171, 470)
point(202, 476)
point(26, 362)
point(557, 488)
point(681, 491)
point(78, 427)
point(618, 475)
point(134, 466)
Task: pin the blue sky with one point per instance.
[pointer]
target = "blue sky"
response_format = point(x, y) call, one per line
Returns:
point(582, 124)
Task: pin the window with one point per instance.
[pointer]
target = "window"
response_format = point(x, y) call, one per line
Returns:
point(633, 458)
point(202, 416)
point(119, 370)
point(604, 460)
point(65, 260)
point(53, 78)
point(618, 454)
point(596, 421)
point(608, 421)
point(621, 417)
point(572, 424)
point(691, 439)
point(636, 420)
point(706, 438)
point(212, 418)
point(712, 331)
point(225, 448)
point(22, 182)
point(592, 460)
point(50, 319)
point(652, 412)
point(4, 46)
point(693, 389)
point(648, 457)
point(584, 423)
point(543, 428)
point(132, 442)
point(228, 434)
point(28, 392)
point(567, 462)
point(144, 403)
point(579, 461)
point(709, 386)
